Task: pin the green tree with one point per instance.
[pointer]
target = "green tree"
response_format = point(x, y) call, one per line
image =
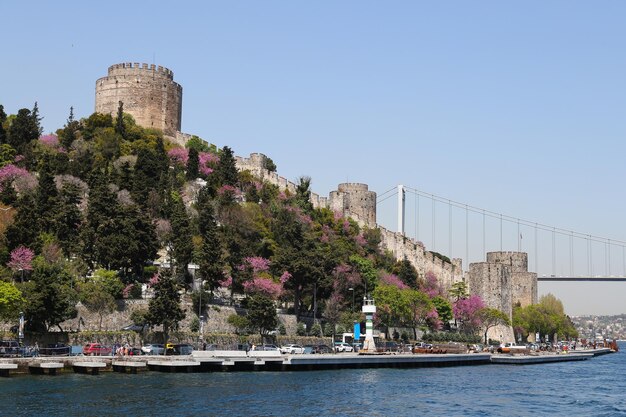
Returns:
point(262, 314)
point(491, 317)
point(110, 282)
point(164, 309)
point(226, 170)
point(303, 195)
point(11, 301)
point(392, 307)
point(193, 164)
point(406, 272)
point(444, 309)
point(419, 305)
point(25, 227)
point(22, 131)
point(240, 323)
point(67, 135)
point(3, 119)
point(198, 144)
point(120, 129)
point(210, 258)
point(50, 297)
point(66, 218)
point(180, 237)
point(46, 196)
point(96, 298)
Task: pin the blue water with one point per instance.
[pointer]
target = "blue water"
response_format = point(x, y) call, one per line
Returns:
point(596, 387)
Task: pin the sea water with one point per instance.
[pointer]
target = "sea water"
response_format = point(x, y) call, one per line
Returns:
point(596, 387)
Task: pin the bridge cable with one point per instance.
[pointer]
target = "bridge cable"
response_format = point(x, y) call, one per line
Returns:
point(379, 196)
point(434, 224)
point(450, 230)
point(524, 222)
point(386, 198)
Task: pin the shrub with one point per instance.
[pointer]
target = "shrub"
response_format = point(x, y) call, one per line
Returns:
point(301, 330)
point(316, 330)
point(281, 329)
point(194, 326)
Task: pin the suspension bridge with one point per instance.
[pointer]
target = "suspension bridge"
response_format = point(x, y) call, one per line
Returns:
point(460, 230)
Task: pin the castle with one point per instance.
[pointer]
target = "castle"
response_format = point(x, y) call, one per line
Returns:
point(148, 92)
point(151, 96)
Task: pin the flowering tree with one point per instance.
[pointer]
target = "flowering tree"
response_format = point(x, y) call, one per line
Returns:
point(391, 279)
point(10, 173)
point(205, 160)
point(431, 285)
point(51, 141)
point(265, 286)
point(21, 260)
point(178, 156)
point(466, 312)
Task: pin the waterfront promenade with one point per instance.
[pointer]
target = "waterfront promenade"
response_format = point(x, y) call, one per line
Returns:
point(231, 360)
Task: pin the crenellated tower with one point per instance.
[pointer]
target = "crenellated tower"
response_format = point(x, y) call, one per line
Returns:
point(149, 94)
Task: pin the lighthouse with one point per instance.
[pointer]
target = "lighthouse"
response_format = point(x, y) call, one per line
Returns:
point(369, 308)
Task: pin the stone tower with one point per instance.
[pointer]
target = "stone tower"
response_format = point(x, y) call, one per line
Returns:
point(523, 283)
point(502, 282)
point(148, 92)
point(354, 200)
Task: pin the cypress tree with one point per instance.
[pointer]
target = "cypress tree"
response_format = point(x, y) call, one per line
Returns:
point(226, 170)
point(3, 118)
point(164, 308)
point(193, 164)
point(120, 129)
point(210, 262)
point(23, 130)
point(182, 246)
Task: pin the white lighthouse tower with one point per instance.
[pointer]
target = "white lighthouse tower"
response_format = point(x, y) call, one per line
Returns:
point(369, 309)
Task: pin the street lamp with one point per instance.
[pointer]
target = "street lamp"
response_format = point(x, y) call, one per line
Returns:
point(352, 290)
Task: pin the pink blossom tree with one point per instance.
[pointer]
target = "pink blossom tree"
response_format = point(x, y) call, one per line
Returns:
point(10, 173)
point(178, 156)
point(391, 279)
point(431, 286)
point(21, 260)
point(466, 312)
point(265, 286)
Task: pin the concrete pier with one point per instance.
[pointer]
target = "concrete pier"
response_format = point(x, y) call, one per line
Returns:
point(43, 368)
point(92, 368)
point(128, 366)
point(536, 359)
point(6, 367)
point(174, 366)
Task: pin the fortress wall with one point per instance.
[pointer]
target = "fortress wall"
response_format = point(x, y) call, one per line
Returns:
point(517, 261)
point(524, 288)
point(423, 261)
point(493, 283)
point(148, 92)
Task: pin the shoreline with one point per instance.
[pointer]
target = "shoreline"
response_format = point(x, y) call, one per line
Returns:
point(239, 361)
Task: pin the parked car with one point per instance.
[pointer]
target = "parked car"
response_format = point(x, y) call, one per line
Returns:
point(55, 349)
point(96, 349)
point(267, 347)
point(9, 348)
point(387, 347)
point(179, 349)
point(313, 349)
point(292, 349)
point(343, 347)
point(153, 349)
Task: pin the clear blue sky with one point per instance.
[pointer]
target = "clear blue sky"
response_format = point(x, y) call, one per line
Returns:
point(518, 109)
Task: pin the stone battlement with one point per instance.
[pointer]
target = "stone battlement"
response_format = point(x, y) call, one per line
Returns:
point(132, 68)
point(148, 92)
